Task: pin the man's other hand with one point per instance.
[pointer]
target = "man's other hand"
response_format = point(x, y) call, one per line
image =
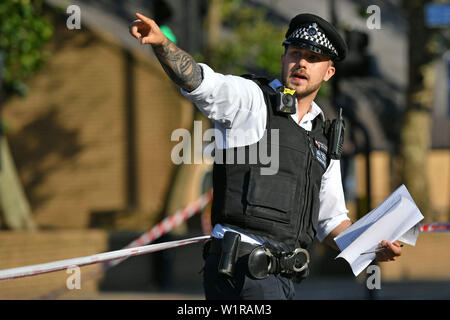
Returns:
point(392, 251)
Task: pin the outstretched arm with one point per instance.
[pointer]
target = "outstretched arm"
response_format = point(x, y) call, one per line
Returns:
point(178, 64)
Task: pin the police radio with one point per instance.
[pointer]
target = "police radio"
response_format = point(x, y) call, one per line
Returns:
point(336, 140)
point(286, 100)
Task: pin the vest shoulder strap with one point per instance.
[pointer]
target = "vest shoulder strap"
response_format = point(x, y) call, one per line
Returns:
point(262, 82)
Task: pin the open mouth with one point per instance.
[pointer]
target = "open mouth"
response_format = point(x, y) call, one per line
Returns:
point(299, 77)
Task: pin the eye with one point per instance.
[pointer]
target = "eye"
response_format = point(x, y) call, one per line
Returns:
point(313, 58)
point(295, 54)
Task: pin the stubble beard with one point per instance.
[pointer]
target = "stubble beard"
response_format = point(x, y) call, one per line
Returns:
point(301, 92)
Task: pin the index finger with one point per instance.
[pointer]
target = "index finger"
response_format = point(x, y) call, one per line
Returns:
point(143, 18)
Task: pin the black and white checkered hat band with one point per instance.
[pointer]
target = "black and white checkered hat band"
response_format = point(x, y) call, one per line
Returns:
point(313, 34)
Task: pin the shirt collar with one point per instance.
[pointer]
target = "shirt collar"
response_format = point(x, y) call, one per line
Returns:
point(315, 110)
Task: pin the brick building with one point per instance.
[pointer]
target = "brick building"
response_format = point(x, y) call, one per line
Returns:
point(92, 145)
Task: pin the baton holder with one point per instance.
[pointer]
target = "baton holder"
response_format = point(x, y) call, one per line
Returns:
point(228, 257)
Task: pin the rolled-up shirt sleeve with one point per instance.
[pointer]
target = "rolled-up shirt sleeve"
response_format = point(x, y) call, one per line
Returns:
point(230, 101)
point(332, 201)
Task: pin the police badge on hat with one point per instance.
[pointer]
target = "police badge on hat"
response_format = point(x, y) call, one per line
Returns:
point(312, 30)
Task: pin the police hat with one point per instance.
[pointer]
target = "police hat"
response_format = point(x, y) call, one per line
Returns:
point(313, 33)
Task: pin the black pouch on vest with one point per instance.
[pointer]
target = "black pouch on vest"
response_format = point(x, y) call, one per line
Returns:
point(228, 256)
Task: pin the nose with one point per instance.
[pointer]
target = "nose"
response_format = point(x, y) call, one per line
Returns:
point(302, 62)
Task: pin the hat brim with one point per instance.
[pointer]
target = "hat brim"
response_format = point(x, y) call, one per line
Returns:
point(311, 46)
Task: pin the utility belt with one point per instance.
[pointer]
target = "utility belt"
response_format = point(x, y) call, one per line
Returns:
point(263, 260)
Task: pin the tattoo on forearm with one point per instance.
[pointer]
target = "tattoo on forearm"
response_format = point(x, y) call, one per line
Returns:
point(179, 66)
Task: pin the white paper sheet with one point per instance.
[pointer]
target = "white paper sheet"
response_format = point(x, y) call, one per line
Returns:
point(396, 218)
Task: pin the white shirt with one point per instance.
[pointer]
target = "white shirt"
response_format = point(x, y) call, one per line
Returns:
point(237, 105)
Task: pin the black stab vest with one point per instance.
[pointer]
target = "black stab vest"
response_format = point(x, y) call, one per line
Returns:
point(282, 207)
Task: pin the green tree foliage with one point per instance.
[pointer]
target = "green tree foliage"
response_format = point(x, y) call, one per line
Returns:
point(253, 41)
point(23, 33)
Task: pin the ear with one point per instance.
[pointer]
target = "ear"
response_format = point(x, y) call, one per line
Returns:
point(330, 72)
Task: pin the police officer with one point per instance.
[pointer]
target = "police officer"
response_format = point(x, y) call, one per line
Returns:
point(265, 221)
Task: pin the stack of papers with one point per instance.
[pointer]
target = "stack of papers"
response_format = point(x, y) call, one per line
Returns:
point(396, 218)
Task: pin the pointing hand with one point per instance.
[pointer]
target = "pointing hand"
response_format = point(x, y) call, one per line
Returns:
point(147, 31)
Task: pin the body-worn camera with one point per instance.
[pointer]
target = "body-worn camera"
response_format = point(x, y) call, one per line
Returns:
point(286, 100)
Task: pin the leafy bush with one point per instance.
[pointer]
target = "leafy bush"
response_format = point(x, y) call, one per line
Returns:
point(23, 33)
point(254, 42)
